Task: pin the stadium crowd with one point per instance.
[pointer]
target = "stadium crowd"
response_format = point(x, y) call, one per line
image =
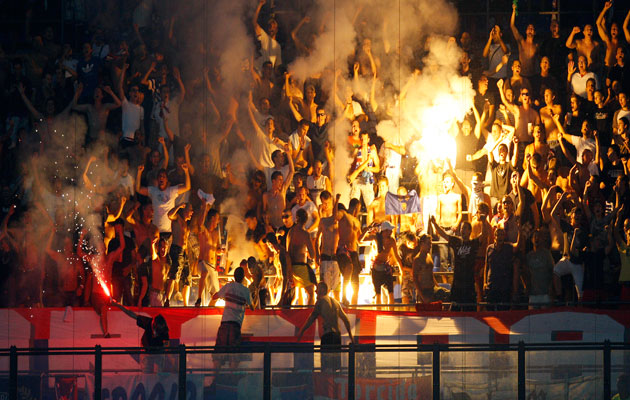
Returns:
point(535, 207)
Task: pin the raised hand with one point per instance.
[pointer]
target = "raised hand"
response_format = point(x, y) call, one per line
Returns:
point(571, 68)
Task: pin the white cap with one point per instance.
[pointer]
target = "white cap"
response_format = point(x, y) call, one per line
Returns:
point(386, 225)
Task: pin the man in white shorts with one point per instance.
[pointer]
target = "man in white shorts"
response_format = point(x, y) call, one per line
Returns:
point(328, 238)
point(209, 247)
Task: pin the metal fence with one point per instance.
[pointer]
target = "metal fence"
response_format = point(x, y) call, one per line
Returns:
point(433, 367)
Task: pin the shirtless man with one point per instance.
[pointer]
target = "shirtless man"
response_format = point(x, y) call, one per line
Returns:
point(376, 210)
point(526, 115)
point(586, 47)
point(546, 116)
point(382, 268)
point(538, 146)
point(274, 200)
point(144, 227)
point(70, 269)
point(299, 249)
point(331, 312)
point(102, 265)
point(449, 208)
point(423, 278)
point(527, 49)
point(612, 40)
point(98, 112)
point(448, 215)
point(328, 240)
point(429, 173)
point(348, 248)
point(180, 270)
point(160, 265)
point(209, 247)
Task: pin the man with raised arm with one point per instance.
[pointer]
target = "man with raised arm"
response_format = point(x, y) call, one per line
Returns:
point(611, 39)
point(98, 112)
point(132, 112)
point(269, 48)
point(274, 200)
point(155, 336)
point(527, 49)
point(586, 47)
point(527, 117)
point(162, 197)
point(494, 51)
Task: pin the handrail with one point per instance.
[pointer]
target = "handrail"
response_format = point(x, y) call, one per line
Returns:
point(268, 349)
point(253, 347)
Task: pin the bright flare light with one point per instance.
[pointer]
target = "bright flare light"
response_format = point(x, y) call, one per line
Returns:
point(104, 287)
point(366, 287)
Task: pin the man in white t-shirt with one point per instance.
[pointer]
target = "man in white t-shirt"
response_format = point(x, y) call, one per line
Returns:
point(162, 197)
point(236, 296)
point(623, 111)
point(269, 48)
point(585, 142)
point(132, 112)
point(578, 80)
point(301, 145)
point(312, 223)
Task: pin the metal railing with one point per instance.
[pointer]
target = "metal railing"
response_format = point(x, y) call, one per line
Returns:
point(351, 350)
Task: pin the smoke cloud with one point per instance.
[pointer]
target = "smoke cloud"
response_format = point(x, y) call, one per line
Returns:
point(419, 92)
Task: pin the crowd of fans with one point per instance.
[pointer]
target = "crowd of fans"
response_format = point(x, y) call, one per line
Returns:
point(533, 208)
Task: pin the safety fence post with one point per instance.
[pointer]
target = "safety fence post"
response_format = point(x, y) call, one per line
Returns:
point(98, 372)
point(436, 371)
point(521, 370)
point(181, 387)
